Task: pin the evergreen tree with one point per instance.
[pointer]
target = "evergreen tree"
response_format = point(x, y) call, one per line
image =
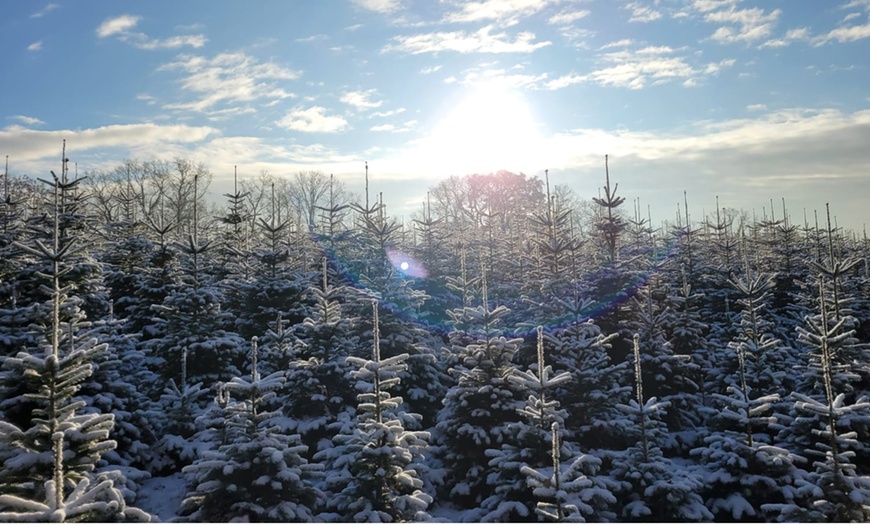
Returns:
point(513, 500)
point(565, 493)
point(373, 469)
point(839, 491)
point(596, 387)
point(481, 407)
point(319, 394)
point(55, 456)
point(667, 376)
point(749, 477)
point(259, 472)
point(653, 487)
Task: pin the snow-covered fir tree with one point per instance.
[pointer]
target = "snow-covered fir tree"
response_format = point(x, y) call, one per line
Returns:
point(667, 375)
point(257, 471)
point(749, 477)
point(564, 492)
point(513, 499)
point(481, 407)
point(373, 472)
point(319, 394)
point(653, 487)
point(52, 457)
point(837, 489)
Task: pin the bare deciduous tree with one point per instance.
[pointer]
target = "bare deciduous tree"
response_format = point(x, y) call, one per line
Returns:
point(309, 190)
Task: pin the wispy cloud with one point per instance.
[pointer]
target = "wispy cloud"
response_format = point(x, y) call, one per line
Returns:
point(502, 79)
point(568, 17)
point(841, 35)
point(121, 27)
point(312, 38)
point(148, 99)
point(430, 69)
point(228, 78)
point(391, 128)
point(384, 114)
point(480, 41)
point(625, 42)
point(857, 4)
point(738, 25)
point(635, 69)
point(361, 100)
point(705, 6)
point(117, 25)
point(28, 120)
point(380, 6)
point(312, 120)
point(792, 35)
point(507, 12)
point(641, 12)
point(844, 34)
point(45, 10)
point(35, 46)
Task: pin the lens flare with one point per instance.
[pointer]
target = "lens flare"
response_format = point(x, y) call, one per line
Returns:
point(406, 264)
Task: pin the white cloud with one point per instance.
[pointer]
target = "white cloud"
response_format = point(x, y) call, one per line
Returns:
point(625, 42)
point(117, 25)
point(509, 12)
point(844, 34)
point(576, 35)
point(430, 69)
point(148, 99)
point(642, 13)
point(390, 128)
point(792, 35)
point(706, 6)
point(742, 25)
point(715, 67)
point(173, 42)
point(121, 27)
point(501, 79)
point(756, 107)
point(312, 38)
point(35, 46)
point(228, 78)
point(45, 10)
point(384, 114)
point(635, 69)
point(859, 4)
point(566, 81)
point(481, 41)
point(28, 120)
point(361, 99)
point(380, 6)
point(37, 150)
point(312, 120)
point(568, 17)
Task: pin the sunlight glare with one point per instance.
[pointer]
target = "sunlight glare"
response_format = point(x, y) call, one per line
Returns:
point(492, 128)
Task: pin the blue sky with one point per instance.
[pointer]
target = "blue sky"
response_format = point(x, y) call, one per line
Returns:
point(745, 99)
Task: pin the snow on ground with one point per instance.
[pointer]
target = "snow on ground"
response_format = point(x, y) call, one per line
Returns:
point(161, 496)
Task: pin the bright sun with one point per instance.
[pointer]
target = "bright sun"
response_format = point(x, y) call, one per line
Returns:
point(492, 128)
